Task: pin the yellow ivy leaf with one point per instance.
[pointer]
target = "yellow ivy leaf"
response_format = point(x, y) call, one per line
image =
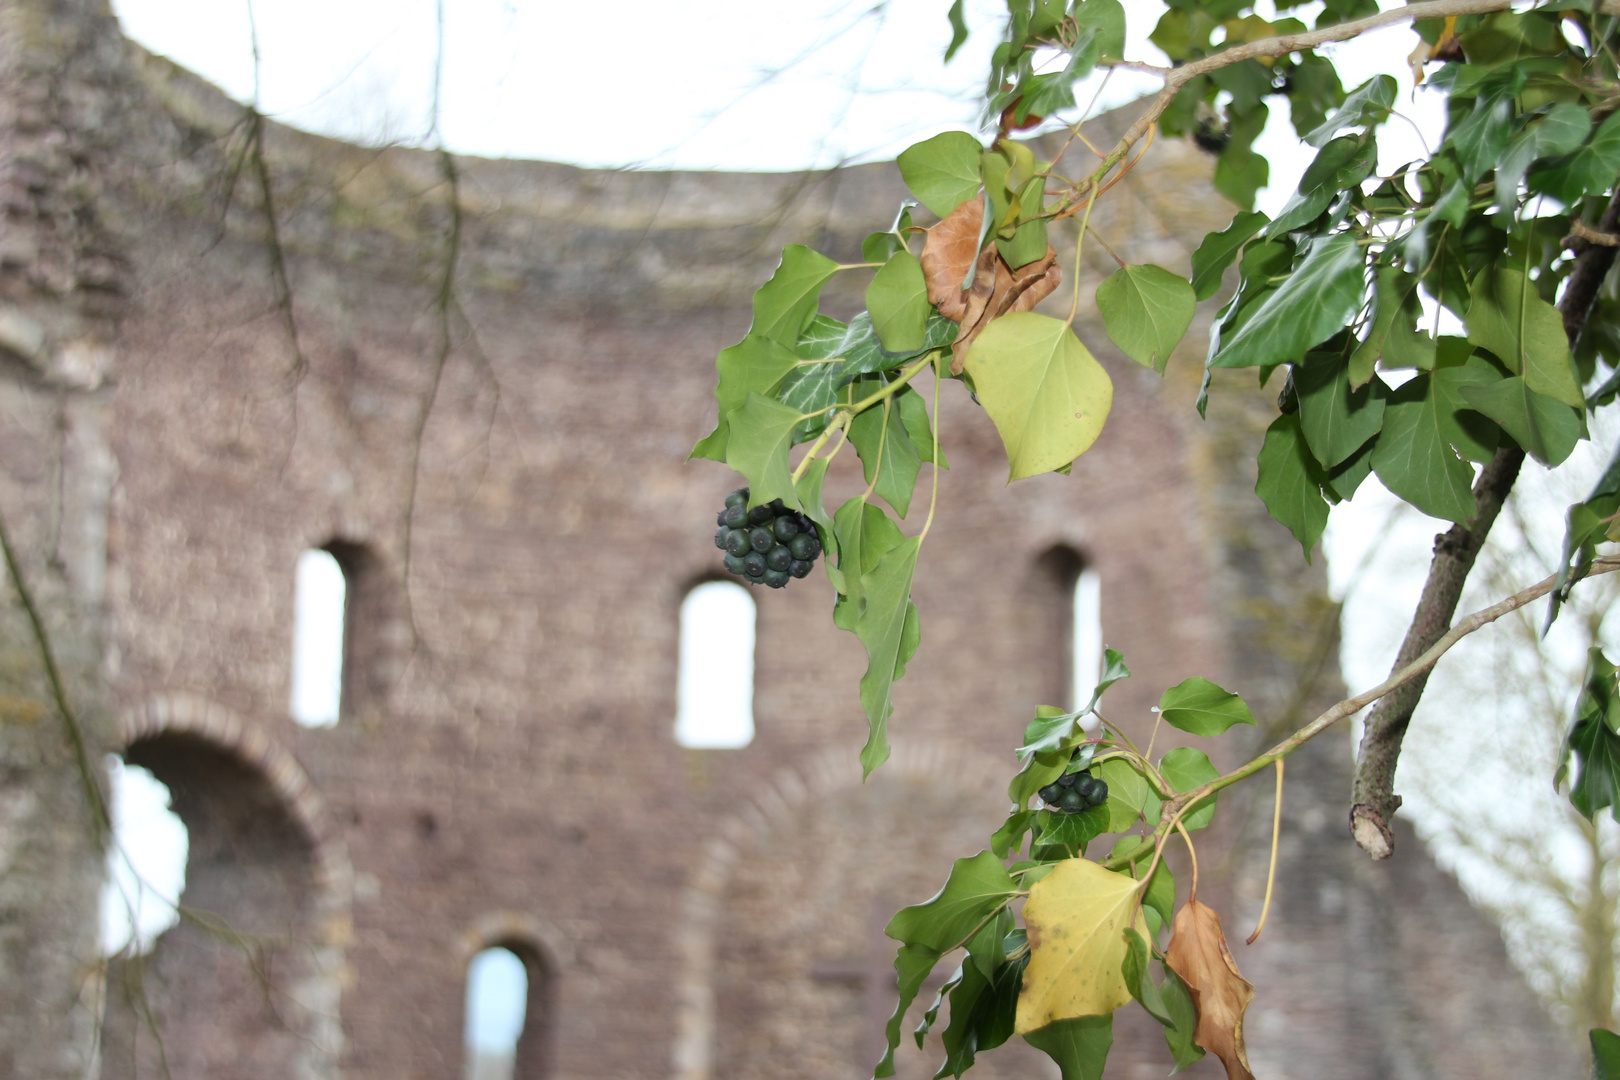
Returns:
point(1077, 916)
point(1045, 392)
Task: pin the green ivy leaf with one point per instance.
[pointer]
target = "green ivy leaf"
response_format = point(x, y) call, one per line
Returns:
point(1130, 799)
point(880, 438)
point(1590, 172)
point(1586, 523)
point(864, 354)
point(1079, 1046)
point(1336, 420)
point(982, 1013)
point(761, 433)
point(1368, 104)
point(1105, 20)
point(1478, 141)
point(809, 489)
point(1561, 130)
point(912, 965)
point(1146, 310)
point(882, 628)
point(1594, 741)
point(1414, 459)
point(914, 415)
point(1393, 336)
point(1290, 482)
point(898, 301)
point(977, 888)
point(1178, 1034)
point(864, 534)
point(1508, 317)
point(786, 303)
point(1547, 429)
point(1159, 898)
point(943, 172)
point(1312, 304)
point(1052, 729)
point(1199, 707)
point(1218, 250)
point(1064, 835)
point(1184, 769)
point(755, 365)
point(1044, 391)
point(1473, 436)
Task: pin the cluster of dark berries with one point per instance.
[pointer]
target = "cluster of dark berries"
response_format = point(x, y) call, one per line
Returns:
point(1074, 792)
point(768, 544)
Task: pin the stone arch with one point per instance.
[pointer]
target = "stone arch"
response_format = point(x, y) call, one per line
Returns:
point(785, 798)
point(253, 971)
point(543, 949)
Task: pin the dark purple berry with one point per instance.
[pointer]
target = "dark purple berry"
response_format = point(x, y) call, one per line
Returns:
point(805, 546)
point(798, 568)
point(759, 515)
point(720, 537)
point(785, 529)
point(737, 498)
point(776, 578)
point(737, 541)
point(778, 558)
point(735, 516)
point(754, 564)
point(734, 563)
point(760, 539)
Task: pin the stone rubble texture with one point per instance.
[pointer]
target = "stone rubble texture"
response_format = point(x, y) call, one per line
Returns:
point(504, 771)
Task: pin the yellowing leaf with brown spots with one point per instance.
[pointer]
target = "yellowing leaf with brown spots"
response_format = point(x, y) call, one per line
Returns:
point(1077, 916)
point(1198, 954)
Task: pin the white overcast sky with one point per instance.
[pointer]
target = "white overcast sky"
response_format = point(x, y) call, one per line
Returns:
point(727, 84)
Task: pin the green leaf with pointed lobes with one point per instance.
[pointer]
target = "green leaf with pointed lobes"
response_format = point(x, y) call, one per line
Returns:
point(977, 888)
point(1311, 304)
point(761, 434)
point(1414, 459)
point(1547, 430)
point(1044, 391)
point(755, 365)
point(1184, 769)
point(887, 627)
point(786, 303)
point(1508, 317)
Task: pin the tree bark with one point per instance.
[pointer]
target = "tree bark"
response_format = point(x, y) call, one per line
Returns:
point(1373, 798)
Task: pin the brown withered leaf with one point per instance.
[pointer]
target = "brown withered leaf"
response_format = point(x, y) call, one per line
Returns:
point(947, 254)
point(1198, 954)
point(998, 290)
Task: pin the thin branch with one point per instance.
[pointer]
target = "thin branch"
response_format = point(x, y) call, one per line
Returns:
point(100, 818)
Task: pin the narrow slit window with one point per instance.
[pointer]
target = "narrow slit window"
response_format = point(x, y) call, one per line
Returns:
point(497, 1009)
point(1087, 636)
point(715, 682)
point(320, 598)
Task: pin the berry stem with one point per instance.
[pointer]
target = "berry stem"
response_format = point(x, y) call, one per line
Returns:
point(933, 490)
point(837, 425)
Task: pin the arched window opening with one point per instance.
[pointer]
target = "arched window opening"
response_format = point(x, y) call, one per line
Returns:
point(505, 1031)
point(1087, 636)
point(715, 680)
point(319, 602)
point(146, 864)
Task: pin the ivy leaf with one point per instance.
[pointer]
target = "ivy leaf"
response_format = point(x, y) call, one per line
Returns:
point(898, 301)
point(1130, 799)
point(882, 628)
point(823, 339)
point(786, 303)
point(912, 965)
point(914, 415)
point(1010, 837)
point(1198, 954)
point(977, 888)
point(1105, 19)
point(1478, 141)
point(1508, 317)
point(959, 30)
point(761, 433)
point(809, 489)
point(1547, 429)
point(1393, 337)
point(1079, 1046)
point(1586, 524)
point(1590, 172)
point(1594, 741)
point(880, 438)
point(1564, 128)
point(1076, 916)
point(1414, 459)
point(1336, 420)
point(982, 1011)
point(943, 172)
point(1181, 1035)
point(1218, 250)
point(755, 365)
point(1184, 769)
point(1146, 310)
point(1044, 391)
point(1290, 482)
point(1051, 729)
point(864, 534)
point(1368, 104)
point(1064, 834)
point(1158, 900)
point(1199, 707)
point(1312, 304)
point(864, 354)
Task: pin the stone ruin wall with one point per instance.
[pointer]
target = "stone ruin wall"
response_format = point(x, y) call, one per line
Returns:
point(504, 771)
